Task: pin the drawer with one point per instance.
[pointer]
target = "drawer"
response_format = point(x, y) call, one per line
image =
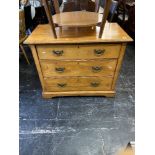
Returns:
point(105, 67)
point(60, 52)
point(78, 83)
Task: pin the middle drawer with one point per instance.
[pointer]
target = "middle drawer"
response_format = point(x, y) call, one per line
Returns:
point(78, 68)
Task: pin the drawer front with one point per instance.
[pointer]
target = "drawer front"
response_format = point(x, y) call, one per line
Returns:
point(60, 52)
point(78, 68)
point(78, 84)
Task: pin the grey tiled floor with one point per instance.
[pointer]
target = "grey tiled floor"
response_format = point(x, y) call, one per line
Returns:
point(76, 125)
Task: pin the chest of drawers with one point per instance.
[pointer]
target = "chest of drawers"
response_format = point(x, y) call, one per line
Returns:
point(81, 66)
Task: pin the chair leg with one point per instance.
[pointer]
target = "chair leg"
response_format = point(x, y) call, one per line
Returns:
point(22, 48)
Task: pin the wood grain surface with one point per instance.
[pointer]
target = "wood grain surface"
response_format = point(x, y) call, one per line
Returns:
point(78, 83)
point(64, 52)
point(78, 68)
point(113, 33)
point(77, 19)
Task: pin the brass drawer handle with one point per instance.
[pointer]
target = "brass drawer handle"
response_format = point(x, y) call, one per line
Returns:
point(61, 85)
point(60, 70)
point(99, 52)
point(58, 53)
point(94, 84)
point(96, 68)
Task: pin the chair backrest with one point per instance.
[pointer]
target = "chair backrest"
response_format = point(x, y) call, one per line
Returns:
point(56, 5)
point(79, 5)
point(76, 5)
point(113, 8)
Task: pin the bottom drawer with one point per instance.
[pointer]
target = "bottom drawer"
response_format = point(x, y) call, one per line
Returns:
point(78, 83)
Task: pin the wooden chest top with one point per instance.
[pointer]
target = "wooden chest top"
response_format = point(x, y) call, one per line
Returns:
point(112, 33)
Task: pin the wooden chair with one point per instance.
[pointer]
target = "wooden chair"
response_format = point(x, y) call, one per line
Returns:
point(78, 5)
point(22, 33)
point(131, 22)
point(112, 11)
point(122, 12)
point(55, 20)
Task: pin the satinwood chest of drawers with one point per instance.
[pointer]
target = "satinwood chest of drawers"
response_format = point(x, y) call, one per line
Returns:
point(74, 65)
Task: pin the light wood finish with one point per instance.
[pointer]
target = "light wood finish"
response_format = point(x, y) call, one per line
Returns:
point(113, 33)
point(78, 68)
point(126, 152)
point(120, 60)
point(78, 83)
point(37, 63)
point(93, 51)
point(106, 12)
point(78, 71)
point(77, 19)
point(78, 93)
point(47, 10)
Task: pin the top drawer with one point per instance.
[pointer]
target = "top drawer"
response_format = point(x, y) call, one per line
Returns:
point(92, 51)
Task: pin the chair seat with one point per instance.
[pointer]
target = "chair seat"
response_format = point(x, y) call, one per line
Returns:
point(77, 19)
